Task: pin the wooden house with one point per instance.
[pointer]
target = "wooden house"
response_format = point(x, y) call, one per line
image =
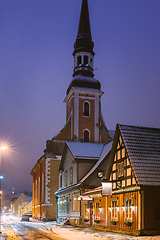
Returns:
point(134, 171)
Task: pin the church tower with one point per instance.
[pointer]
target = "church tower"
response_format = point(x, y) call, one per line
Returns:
point(84, 121)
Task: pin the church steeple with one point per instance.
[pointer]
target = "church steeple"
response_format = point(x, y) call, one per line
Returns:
point(83, 47)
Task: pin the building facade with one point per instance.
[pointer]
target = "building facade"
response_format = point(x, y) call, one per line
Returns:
point(81, 169)
point(84, 122)
point(134, 171)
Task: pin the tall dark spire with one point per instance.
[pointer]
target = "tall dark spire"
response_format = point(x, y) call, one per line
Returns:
point(84, 22)
point(83, 76)
point(84, 40)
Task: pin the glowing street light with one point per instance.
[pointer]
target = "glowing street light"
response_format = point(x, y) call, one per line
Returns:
point(2, 148)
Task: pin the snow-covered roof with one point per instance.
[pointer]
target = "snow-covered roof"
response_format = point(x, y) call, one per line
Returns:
point(85, 150)
point(87, 89)
point(80, 77)
point(106, 149)
point(26, 199)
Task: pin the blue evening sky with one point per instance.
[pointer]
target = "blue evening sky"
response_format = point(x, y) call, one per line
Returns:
point(36, 66)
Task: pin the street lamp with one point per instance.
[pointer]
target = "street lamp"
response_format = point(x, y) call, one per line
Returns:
point(2, 148)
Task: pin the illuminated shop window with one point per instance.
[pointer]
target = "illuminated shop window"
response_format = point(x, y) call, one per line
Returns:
point(75, 203)
point(128, 209)
point(86, 211)
point(97, 210)
point(114, 212)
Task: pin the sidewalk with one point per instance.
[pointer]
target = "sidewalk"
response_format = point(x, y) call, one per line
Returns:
point(77, 233)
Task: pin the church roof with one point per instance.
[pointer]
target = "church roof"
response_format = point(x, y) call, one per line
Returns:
point(84, 40)
point(143, 148)
point(84, 82)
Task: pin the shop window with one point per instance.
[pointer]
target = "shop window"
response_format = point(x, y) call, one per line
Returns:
point(86, 211)
point(79, 60)
point(71, 175)
point(86, 135)
point(114, 213)
point(75, 203)
point(86, 109)
point(128, 209)
point(60, 204)
point(97, 210)
point(63, 202)
point(85, 60)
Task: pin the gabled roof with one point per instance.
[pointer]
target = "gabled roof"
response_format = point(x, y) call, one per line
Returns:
point(85, 150)
point(106, 148)
point(143, 148)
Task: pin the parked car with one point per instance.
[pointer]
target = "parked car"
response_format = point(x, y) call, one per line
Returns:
point(24, 217)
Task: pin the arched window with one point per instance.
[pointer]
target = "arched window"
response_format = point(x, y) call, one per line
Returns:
point(85, 60)
point(79, 60)
point(86, 135)
point(86, 109)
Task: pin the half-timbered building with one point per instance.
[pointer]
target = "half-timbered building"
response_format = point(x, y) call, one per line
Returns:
point(134, 171)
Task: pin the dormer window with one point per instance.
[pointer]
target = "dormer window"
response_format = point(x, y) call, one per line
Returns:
point(86, 135)
point(85, 60)
point(79, 60)
point(86, 109)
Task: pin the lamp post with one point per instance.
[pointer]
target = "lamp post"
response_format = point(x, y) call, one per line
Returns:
point(1, 149)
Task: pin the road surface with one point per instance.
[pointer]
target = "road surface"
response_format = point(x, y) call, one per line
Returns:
point(13, 228)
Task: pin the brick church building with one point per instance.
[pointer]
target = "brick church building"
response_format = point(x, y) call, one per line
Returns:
point(84, 122)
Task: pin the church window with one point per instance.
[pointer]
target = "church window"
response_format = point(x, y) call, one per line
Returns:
point(86, 135)
point(85, 60)
point(86, 109)
point(79, 60)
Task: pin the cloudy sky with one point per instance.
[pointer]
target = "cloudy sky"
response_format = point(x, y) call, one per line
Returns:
point(36, 66)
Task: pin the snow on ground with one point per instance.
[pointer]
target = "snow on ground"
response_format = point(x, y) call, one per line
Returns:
point(76, 233)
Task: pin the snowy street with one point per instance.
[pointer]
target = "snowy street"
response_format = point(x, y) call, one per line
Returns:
point(13, 228)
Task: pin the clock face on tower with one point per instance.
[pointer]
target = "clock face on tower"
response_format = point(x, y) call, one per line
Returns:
point(100, 174)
